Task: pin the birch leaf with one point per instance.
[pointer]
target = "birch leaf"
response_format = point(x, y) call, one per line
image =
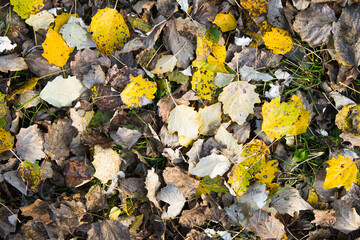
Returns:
point(165, 64)
point(25, 8)
point(255, 7)
point(185, 121)
point(56, 51)
point(226, 22)
point(136, 89)
point(110, 31)
point(239, 179)
point(42, 20)
point(342, 172)
point(284, 118)
point(61, 20)
point(6, 140)
point(173, 196)
point(278, 40)
point(239, 99)
point(211, 165)
point(202, 83)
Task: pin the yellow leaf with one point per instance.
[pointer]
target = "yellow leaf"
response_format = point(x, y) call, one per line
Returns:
point(56, 51)
point(278, 40)
point(62, 19)
point(25, 8)
point(342, 172)
point(267, 173)
point(226, 22)
point(342, 118)
point(26, 86)
point(202, 83)
point(2, 105)
point(136, 89)
point(280, 119)
point(255, 7)
point(239, 179)
point(254, 155)
point(312, 197)
point(110, 31)
point(6, 140)
point(31, 174)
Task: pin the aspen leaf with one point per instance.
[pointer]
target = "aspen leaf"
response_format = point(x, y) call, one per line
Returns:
point(254, 155)
point(255, 7)
point(342, 172)
point(278, 40)
point(284, 118)
point(25, 8)
point(31, 173)
point(202, 83)
point(75, 34)
point(110, 31)
point(226, 22)
point(29, 145)
point(209, 184)
point(136, 89)
point(106, 163)
point(6, 140)
point(5, 44)
point(61, 20)
point(239, 99)
point(174, 197)
point(185, 121)
point(211, 165)
point(267, 173)
point(56, 51)
point(42, 20)
point(226, 138)
point(165, 64)
point(239, 179)
point(210, 117)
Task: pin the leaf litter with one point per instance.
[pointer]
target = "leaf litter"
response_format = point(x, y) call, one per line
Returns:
point(179, 119)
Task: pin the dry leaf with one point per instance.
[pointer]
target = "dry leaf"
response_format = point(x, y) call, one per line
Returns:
point(75, 35)
point(181, 180)
point(108, 229)
point(106, 163)
point(347, 219)
point(152, 185)
point(256, 8)
point(239, 179)
point(12, 63)
point(5, 44)
point(30, 173)
point(6, 140)
point(226, 138)
point(174, 197)
point(210, 118)
point(265, 226)
point(42, 20)
point(211, 165)
point(165, 64)
point(202, 83)
point(29, 145)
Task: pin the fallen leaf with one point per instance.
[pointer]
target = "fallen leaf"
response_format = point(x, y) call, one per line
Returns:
point(110, 31)
point(56, 51)
point(78, 171)
point(324, 218)
point(226, 138)
point(96, 199)
point(61, 20)
point(126, 137)
point(184, 5)
point(265, 226)
point(347, 219)
point(181, 180)
point(289, 201)
point(202, 83)
point(210, 118)
point(41, 19)
point(223, 79)
point(256, 8)
point(267, 173)
point(6, 140)
point(29, 144)
point(30, 173)
point(137, 88)
point(278, 40)
point(255, 197)
point(239, 179)
point(106, 163)
point(105, 98)
point(165, 64)
point(152, 185)
point(8, 219)
point(24, 9)
point(12, 63)
point(39, 211)
point(29, 84)
point(342, 172)
point(249, 73)
point(5, 44)
point(61, 92)
point(238, 100)
point(174, 197)
point(226, 22)
point(75, 35)
point(208, 185)
point(254, 156)
point(284, 118)
point(211, 165)
point(108, 229)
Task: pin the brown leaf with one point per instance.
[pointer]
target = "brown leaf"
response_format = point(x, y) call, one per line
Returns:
point(96, 199)
point(35, 230)
point(108, 229)
point(104, 98)
point(12, 63)
point(324, 218)
point(39, 65)
point(78, 172)
point(119, 78)
point(181, 180)
point(347, 219)
point(133, 187)
point(39, 211)
point(265, 226)
point(197, 235)
point(7, 223)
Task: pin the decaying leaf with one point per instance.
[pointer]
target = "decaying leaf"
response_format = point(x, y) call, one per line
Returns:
point(174, 197)
point(202, 83)
point(265, 226)
point(110, 31)
point(137, 88)
point(152, 185)
point(6, 140)
point(226, 22)
point(56, 51)
point(42, 20)
point(181, 180)
point(347, 219)
point(239, 98)
point(12, 63)
point(209, 184)
point(106, 163)
point(278, 40)
point(31, 174)
point(29, 145)
point(211, 165)
point(256, 8)
point(25, 8)
point(284, 118)
point(342, 172)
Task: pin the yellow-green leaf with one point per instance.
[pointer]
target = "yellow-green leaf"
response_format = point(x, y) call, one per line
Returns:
point(284, 118)
point(342, 172)
point(209, 184)
point(254, 155)
point(25, 8)
point(255, 7)
point(6, 140)
point(2, 105)
point(110, 31)
point(226, 22)
point(56, 51)
point(31, 174)
point(136, 89)
point(202, 83)
point(267, 173)
point(278, 40)
point(342, 118)
point(239, 179)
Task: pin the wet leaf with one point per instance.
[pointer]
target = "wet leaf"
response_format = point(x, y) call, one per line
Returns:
point(342, 172)
point(284, 118)
point(110, 31)
point(56, 51)
point(31, 174)
point(278, 40)
point(25, 8)
point(226, 22)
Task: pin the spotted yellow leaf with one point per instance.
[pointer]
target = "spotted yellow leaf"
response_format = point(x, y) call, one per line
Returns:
point(137, 88)
point(56, 51)
point(6, 140)
point(202, 83)
point(31, 173)
point(254, 155)
point(226, 22)
point(343, 121)
point(278, 40)
point(267, 173)
point(255, 7)
point(25, 8)
point(239, 179)
point(110, 31)
point(284, 118)
point(342, 172)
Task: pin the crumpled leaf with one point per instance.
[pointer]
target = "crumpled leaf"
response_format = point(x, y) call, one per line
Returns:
point(315, 23)
point(211, 165)
point(174, 197)
point(31, 174)
point(289, 201)
point(185, 121)
point(56, 51)
point(108, 229)
point(5, 44)
point(29, 145)
point(165, 64)
point(202, 83)
point(226, 22)
point(239, 98)
point(61, 92)
point(75, 35)
point(347, 219)
point(110, 31)
point(265, 226)
point(278, 40)
point(6, 140)
point(106, 163)
point(25, 8)
point(137, 88)
point(284, 118)
point(342, 172)
point(239, 179)
point(42, 20)
point(210, 118)
point(347, 36)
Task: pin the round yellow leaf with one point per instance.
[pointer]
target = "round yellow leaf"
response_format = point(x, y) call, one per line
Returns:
point(226, 22)
point(278, 40)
